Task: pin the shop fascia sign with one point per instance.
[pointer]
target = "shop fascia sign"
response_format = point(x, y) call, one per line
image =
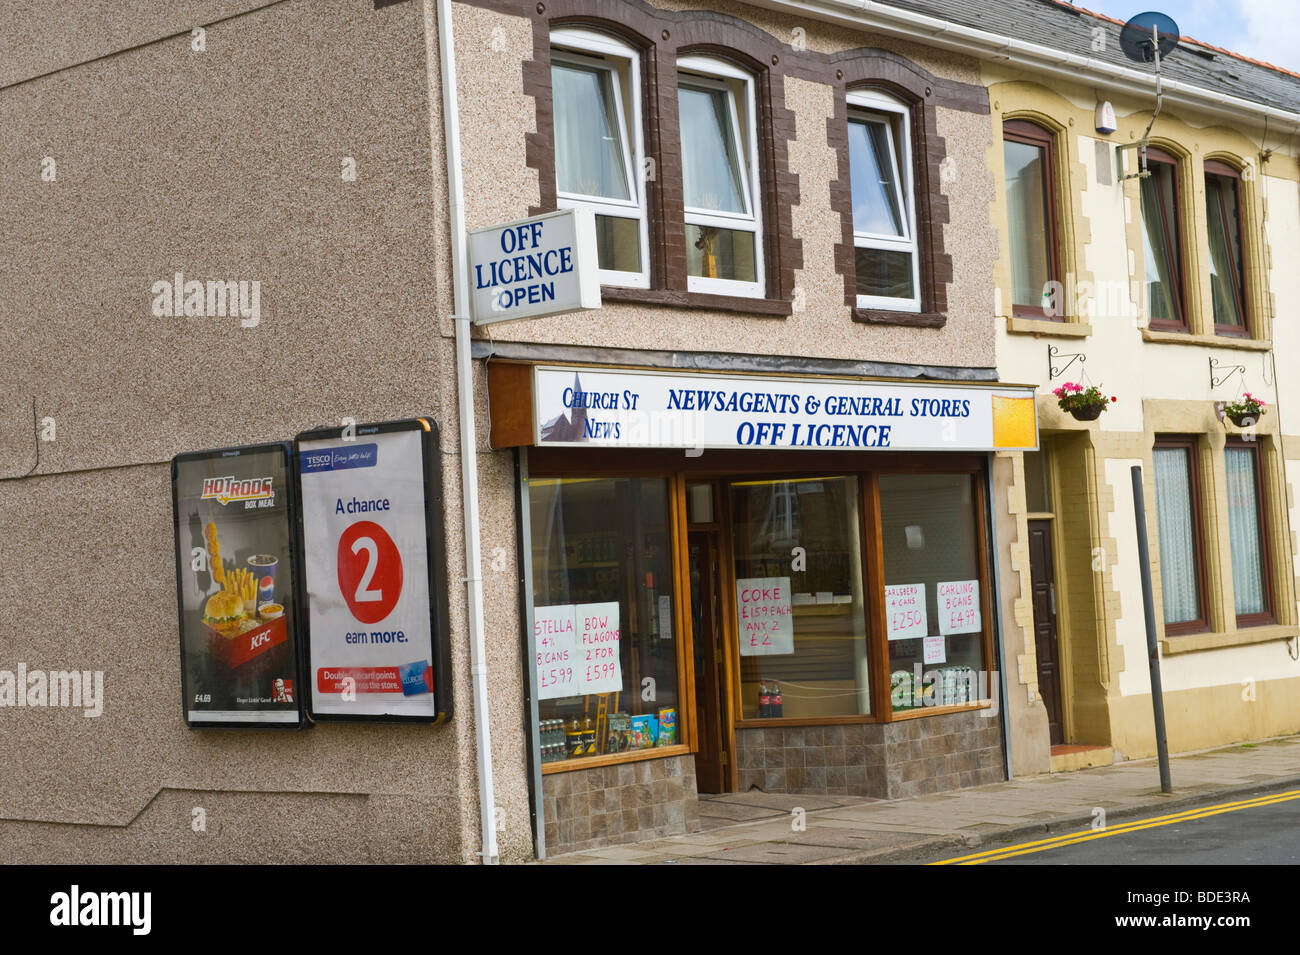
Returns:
point(545, 265)
point(594, 407)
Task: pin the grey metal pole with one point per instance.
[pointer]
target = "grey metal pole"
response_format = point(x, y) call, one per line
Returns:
point(1153, 651)
point(998, 635)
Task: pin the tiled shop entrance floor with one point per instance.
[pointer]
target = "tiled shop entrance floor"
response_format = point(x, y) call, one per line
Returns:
point(727, 809)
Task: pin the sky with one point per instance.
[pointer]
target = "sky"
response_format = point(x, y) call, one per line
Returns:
point(1266, 30)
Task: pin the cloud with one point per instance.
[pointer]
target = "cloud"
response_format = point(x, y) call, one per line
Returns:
point(1267, 31)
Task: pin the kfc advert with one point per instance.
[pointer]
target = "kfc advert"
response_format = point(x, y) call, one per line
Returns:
point(235, 587)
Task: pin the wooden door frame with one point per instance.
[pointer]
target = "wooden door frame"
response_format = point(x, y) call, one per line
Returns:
point(1064, 644)
point(730, 646)
point(1048, 519)
point(711, 532)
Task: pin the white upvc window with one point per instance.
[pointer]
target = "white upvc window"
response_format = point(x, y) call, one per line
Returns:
point(720, 188)
point(599, 148)
point(884, 204)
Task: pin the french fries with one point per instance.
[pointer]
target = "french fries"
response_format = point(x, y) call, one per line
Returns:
point(241, 583)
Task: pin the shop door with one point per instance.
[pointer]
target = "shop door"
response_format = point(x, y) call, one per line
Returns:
point(1042, 575)
point(711, 761)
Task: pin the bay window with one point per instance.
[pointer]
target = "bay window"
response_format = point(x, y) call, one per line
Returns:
point(720, 190)
point(596, 93)
point(884, 215)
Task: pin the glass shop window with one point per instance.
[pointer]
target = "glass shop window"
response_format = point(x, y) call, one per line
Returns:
point(933, 607)
point(800, 615)
point(603, 616)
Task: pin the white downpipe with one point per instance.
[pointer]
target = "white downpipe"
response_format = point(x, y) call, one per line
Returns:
point(468, 440)
point(881, 18)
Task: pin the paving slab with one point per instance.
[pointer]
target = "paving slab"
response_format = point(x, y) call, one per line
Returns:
point(737, 813)
point(754, 827)
point(778, 853)
point(780, 801)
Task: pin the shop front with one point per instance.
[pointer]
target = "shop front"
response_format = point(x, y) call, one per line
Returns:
point(740, 582)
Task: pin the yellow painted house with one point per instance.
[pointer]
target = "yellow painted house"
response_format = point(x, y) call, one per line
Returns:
point(1170, 292)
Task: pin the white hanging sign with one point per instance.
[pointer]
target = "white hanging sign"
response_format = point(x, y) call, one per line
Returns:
point(546, 265)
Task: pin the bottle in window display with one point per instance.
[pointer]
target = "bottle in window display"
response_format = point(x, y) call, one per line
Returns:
point(764, 699)
point(588, 736)
point(573, 737)
point(776, 700)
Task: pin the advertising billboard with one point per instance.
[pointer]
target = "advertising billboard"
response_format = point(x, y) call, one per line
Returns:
point(235, 586)
point(373, 614)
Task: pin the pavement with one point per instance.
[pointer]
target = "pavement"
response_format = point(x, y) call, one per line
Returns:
point(758, 828)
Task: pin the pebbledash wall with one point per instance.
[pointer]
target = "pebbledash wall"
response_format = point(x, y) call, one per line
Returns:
point(226, 162)
point(1229, 683)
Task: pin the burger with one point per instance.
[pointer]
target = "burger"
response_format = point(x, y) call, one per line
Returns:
point(224, 610)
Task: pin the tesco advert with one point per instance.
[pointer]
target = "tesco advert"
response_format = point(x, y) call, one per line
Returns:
point(371, 612)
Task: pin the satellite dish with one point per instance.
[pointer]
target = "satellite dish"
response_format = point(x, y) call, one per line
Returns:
point(1147, 38)
point(1139, 42)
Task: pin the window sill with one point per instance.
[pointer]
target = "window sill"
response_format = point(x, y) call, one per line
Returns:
point(1213, 341)
point(919, 711)
point(1238, 638)
point(1043, 326)
point(767, 722)
point(610, 759)
point(886, 316)
point(763, 307)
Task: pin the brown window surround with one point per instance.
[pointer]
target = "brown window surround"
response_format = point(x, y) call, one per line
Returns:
point(1031, 134)
point(1190, 444)
point(922, 92)
point(1172, 232)
point(1268, 615)
point(1215, 167)
point(661, 37)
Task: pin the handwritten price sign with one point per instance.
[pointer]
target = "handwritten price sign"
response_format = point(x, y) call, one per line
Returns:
point(577, 649)
point(905, 611)
point(959, 606)
point(763, 608)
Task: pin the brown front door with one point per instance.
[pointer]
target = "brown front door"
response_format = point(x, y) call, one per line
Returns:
point(711, 773)
point(1042, 574)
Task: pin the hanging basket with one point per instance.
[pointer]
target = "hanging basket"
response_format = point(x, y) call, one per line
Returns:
point(1244, 420)
point(1090, 413)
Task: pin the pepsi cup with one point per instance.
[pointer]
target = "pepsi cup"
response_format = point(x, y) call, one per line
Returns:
point(263, 567)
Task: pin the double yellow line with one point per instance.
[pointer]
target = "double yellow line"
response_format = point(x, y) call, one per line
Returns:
point(1074, 838)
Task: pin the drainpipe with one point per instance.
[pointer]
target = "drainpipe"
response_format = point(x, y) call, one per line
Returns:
point(468, 439)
